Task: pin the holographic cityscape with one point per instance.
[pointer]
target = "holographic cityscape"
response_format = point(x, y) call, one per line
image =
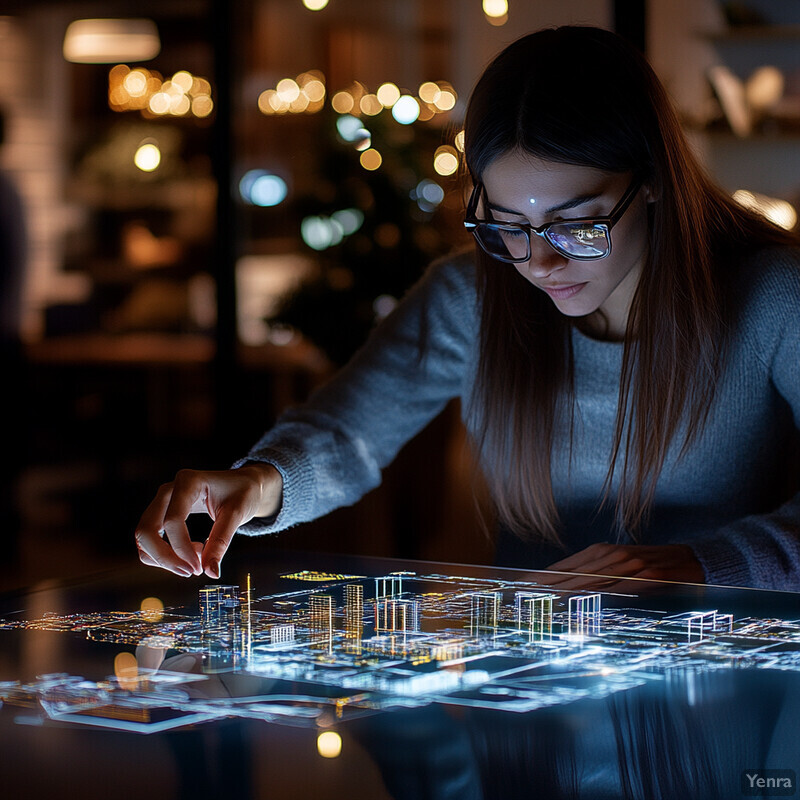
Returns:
point(337, 646)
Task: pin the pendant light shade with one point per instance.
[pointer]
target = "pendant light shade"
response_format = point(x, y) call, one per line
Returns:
point(107, 41)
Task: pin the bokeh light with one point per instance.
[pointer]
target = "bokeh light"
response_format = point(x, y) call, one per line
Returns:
point(321, 232)
point(370, 105)
point(428, 195)
point(202, 106)
point(315, 5)
point(147, 157)
point(371, 159)
point(495, 8)
point(288, 90)
point(350, 219)
point(429, 92)
point(388, 94)
point(329, 744)
point(300, 95)
point(343, 102)
point(183, 80)
point(764, 88)
point(446, 98)
point(152, 609)
point(135, 83)
point(314, 90)
point(126, 670)
point(261, 188)
point(445, 160)
point(406, 110)
point(146, 91)
point(350, 128)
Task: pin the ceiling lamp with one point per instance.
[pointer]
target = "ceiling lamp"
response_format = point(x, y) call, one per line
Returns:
point(106, 41)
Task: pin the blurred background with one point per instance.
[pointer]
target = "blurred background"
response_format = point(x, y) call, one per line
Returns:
point(205, 206)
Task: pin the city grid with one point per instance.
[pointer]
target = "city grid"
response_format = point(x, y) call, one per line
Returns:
point(332, 646)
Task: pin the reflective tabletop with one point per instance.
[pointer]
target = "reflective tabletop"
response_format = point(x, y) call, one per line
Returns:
point(305, 675)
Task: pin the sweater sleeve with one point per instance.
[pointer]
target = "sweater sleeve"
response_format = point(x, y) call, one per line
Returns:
point(331, 450)
point(763, 550)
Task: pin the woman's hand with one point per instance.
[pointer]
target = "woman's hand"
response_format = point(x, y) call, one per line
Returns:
point(229, 497)
point(672, 562)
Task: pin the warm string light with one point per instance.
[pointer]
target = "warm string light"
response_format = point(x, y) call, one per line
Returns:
point(146, 91)
point(147, 156)
point(304, 94)
point(496, 11)
point(329, 744)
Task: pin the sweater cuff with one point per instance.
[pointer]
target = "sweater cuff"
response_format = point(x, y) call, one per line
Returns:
point(298, 489)
point(723, 565)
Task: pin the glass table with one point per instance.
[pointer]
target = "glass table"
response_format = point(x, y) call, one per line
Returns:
point(305, 675)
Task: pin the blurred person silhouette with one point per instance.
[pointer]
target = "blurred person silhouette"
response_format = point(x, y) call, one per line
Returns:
point(13, 261)
point(623, 338)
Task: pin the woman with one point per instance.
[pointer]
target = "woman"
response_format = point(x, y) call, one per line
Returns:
point(631, 405)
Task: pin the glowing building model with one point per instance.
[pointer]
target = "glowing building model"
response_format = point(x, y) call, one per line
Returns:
point(584, 614)
point(534, 614)
point(320, 621)
point(485, 613)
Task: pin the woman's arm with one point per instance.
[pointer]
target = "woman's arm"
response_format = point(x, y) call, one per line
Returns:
point(330, 451)
point(763, 550)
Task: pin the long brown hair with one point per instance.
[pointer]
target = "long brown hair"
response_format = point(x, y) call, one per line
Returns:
point(583, 96)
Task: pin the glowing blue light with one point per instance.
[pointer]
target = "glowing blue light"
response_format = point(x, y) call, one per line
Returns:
point(351, 219)
point(337, 231)
point(406, 110)
point(351, 129)
point(316, 232)
point(261, 188)
point(320, 233)
point(268, 190)
point(430, 191)
point(428, 195)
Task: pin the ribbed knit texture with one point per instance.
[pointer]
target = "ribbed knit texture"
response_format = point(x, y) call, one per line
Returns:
point(726, 498)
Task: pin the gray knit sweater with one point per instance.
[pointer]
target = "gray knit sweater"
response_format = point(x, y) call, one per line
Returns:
point(726, 497)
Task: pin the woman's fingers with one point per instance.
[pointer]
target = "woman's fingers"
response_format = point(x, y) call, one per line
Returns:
point(659, 562)
point(229, 497)
point(153, 549)
point(189, 495)
point(225, 526)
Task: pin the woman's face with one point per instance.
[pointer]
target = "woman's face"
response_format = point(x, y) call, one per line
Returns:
point(521, 188)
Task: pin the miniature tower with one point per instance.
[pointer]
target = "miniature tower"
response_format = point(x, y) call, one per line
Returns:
point(534, 613)
point(221, 619)
point(485, 613)
point(584, 614)
point(387, 589)
point(320, 621)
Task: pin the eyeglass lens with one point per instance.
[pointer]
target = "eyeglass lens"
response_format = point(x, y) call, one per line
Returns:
point(581, 240)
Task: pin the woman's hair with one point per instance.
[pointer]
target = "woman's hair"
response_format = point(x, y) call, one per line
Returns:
point(584, 96)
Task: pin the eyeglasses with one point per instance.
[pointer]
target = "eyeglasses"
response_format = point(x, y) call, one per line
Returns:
point(583, 239)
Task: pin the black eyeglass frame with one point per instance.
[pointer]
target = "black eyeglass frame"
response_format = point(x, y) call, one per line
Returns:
point(471, 223)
